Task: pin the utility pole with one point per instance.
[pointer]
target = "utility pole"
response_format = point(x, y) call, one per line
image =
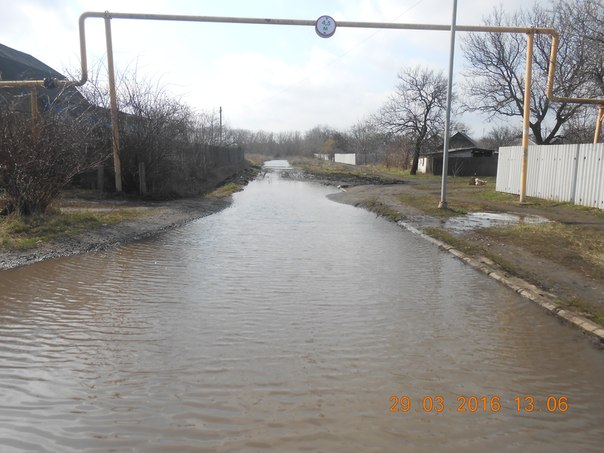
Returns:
point(445, 172)
point(220, 130)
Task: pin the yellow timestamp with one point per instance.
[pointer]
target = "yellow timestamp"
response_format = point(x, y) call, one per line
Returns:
point(478, 404)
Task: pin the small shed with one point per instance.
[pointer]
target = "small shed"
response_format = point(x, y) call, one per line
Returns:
point(466, 158)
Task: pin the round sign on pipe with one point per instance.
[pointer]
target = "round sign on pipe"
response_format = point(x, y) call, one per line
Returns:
point(325, 26)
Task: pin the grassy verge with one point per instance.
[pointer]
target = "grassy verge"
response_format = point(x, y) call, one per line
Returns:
point(82, 210)
point(382, 210)
point(577, 245)
point(230, 187)
point(21, 233)
point(455, 241)
point(226, 190)
point(471, 248)
point(429, 204)
point(585, 308)
point(333, 170)
point(464, 198)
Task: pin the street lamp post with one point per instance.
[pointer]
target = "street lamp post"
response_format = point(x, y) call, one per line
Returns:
point(445, 170)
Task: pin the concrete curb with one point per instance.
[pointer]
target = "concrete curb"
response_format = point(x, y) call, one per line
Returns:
point(525, 289)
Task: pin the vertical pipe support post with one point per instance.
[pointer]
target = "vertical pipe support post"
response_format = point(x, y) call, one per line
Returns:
point(115, 132)
point(527, 115)
point(599, 124)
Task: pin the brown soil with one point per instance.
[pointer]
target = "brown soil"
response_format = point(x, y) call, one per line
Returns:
point(566, 278)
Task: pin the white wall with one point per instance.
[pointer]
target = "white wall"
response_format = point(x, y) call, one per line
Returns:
point(569, 173)
point(348, 158)
point(422, 165)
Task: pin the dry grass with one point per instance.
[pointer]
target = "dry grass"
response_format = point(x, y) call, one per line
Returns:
point(333, 169)
point(382, 210)
point(20, 233)
point(226, 190)
point(579, 246)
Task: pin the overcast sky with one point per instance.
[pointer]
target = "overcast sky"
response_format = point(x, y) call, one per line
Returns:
point(264, 77)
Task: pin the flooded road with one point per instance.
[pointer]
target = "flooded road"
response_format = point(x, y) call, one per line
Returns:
point(286, 322)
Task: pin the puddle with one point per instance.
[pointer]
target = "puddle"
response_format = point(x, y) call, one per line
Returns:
point(475, 220)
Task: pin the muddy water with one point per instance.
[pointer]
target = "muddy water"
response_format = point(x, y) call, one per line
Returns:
point(286, 323)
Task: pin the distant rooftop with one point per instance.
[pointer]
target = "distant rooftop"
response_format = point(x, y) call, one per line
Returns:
point(16, 65)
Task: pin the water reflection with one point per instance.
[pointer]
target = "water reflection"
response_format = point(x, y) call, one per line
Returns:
point(286, 322)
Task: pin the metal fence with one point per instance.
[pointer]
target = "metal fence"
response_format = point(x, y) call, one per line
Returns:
point(568, 173)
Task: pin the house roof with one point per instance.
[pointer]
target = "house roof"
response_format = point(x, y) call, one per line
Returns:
point(16, 65)
point(459, 142)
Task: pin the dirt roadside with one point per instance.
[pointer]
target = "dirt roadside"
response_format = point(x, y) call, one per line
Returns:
point(558, 263)
point(563, 284)
point(155, 218)
point(150, 218)
point(569, 282)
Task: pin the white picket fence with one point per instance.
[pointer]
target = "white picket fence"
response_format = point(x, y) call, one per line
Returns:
point(569, 173)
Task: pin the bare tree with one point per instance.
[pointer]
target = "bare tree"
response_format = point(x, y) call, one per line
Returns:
point(497, 64)
point(208, 128)
point(416, 109)
point(499, 136)
point(155, 130)
point(367, 141)
point(587, 21)
point(580, 128)
point(315, 139)
point(35, 165)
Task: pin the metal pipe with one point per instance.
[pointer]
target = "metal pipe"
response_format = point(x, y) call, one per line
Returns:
point(260, 21)
point(22, 83)
point(445, 169)
point(550, 79)
point(526, 115)
point(83, 56)
point(344, 24)
point(303, 22)
point(115, 132)
point(553, 55)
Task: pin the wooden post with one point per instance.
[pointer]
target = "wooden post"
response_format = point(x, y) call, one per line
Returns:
point(142, 179)
point(35, 129)
point(100, 178)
